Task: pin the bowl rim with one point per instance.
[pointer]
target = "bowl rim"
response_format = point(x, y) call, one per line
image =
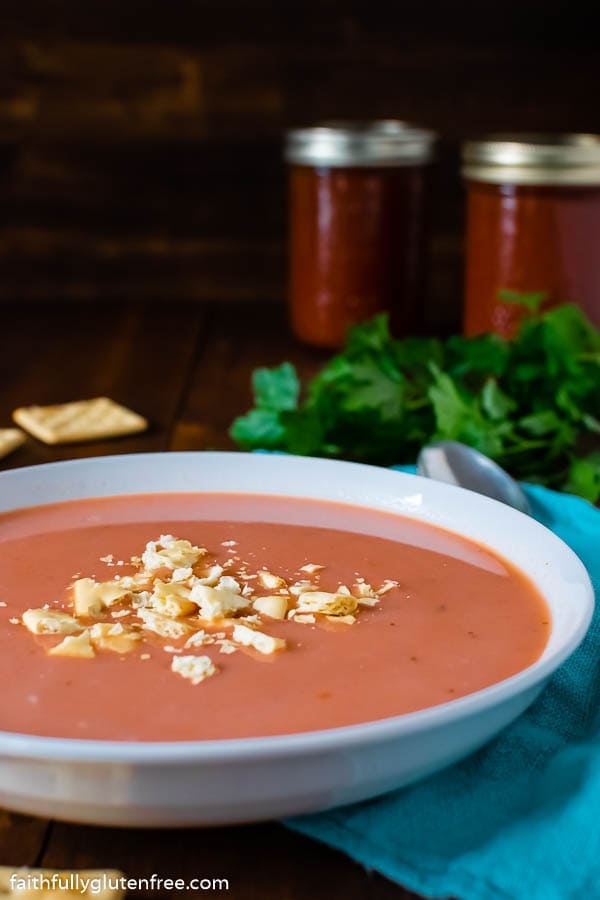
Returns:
point(230, 750)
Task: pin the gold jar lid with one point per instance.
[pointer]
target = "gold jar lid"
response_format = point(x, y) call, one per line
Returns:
point(383, 142)
point(543, 159)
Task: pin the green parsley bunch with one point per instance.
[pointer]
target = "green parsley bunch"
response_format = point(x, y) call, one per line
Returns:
point(531, 403)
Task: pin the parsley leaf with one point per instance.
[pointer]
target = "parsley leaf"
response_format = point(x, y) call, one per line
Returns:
point(276, 389)
point(258, 428)
point(532, 403)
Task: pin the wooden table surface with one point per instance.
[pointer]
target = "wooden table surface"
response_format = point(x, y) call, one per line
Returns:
point(187, 368)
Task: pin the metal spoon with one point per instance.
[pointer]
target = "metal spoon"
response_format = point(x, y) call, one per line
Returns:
point(459, 464)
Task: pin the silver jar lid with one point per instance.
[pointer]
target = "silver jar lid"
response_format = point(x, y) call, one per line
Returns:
point(384, 142)
point(534, 159)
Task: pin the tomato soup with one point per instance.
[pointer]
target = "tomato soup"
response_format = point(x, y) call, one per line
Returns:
point(176, 617)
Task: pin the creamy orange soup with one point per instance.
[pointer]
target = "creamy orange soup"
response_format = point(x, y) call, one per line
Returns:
point(428, 617)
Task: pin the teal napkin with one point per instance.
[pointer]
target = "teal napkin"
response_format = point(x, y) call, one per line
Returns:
point(520, 818)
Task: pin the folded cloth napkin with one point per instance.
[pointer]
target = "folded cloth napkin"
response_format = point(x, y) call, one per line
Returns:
point(520, 818)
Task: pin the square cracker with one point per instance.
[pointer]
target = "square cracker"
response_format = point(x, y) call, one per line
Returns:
point(69, 884)
point(83, 420)
point(10, 439)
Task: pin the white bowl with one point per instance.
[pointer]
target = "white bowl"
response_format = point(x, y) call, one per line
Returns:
point(217, 782)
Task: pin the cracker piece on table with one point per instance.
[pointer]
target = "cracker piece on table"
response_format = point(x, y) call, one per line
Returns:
point(10, 439)
point(82, 420)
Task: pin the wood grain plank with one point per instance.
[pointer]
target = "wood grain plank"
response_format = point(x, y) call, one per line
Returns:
point(261, 862)
point(222, 186)
point(43, 264)
point(97, 85)
point(137, 356)
point(238, 340)
point(21, 839)
point(67, 89)
point(204, 23)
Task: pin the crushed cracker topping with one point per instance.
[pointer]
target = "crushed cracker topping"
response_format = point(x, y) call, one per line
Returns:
point(75, 646)
point(91, 598)
point(305, 618)
point(199, 639)
point(170, 553)
point(180, 593)
point(386, 586)
point(270, 581)
point(344, 620)
point(274, 606)
point(260, 641)
point(194, 668)
point(336, 604)
point(163, 625)
point(46, 621)
point(114, 636)
point(311, 568)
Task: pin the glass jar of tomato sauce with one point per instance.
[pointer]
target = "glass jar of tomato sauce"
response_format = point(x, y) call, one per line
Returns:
point(356, 226)
point(533, 225)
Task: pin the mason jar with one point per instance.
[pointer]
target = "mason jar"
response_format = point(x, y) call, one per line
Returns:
point(356, 235)
point(533, 225)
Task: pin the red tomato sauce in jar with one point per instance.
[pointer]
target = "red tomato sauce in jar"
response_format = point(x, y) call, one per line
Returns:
point(357, 198)
point(533, 225)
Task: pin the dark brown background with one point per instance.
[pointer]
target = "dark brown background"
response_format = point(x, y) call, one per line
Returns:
point(140, 141)
point(140, 147)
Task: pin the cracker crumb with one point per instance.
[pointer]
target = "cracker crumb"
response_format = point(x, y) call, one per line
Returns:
point(199, 639)
point(194, 668)
point(273, 606)
point(42, 621)
point(221, 601)
point(386, 586)
point(168, 552)
point(75, 646)
point(260, 641)
point(302, 587)
point(336, 604)
point(311, 568)
point(270, 581)
point(163, 625)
